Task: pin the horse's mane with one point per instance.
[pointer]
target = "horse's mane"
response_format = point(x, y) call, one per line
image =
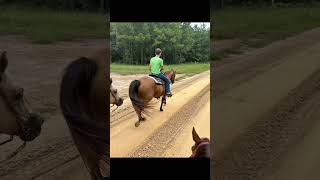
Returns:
point(89, 136)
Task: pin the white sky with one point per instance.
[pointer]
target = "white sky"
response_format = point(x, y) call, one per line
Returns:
point(207, 24)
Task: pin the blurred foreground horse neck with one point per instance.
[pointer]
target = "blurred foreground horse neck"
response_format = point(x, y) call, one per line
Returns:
point(142, 91)
point(201, 148)
point(16, 118)
point(83, 101)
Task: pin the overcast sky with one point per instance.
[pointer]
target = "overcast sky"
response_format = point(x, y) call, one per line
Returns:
point(207, 24)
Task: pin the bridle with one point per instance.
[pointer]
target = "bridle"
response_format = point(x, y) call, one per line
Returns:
point(202, 144)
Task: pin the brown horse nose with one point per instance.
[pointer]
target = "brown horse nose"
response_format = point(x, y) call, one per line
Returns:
point(120, 101)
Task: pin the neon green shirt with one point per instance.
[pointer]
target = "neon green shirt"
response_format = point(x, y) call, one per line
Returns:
point(156, 63)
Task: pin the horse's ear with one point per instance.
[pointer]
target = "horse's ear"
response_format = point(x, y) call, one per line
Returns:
point(195, 136)
point(3, 62)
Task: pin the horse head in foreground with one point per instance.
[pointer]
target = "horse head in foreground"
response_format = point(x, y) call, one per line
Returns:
point(201, 147)
point(84, 101)
point(114, 97)
point(142, 91)
point(16, 118)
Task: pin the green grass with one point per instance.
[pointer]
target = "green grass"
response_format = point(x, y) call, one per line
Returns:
point(47, 26)
point(188, 69)
point(257, 27)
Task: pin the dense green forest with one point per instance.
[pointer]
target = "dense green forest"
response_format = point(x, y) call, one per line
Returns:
point(135, 43)
point(224, 3)
point(82, 5)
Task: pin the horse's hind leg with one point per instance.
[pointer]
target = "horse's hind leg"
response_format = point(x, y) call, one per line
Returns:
point(163, 101)
point(138, 111)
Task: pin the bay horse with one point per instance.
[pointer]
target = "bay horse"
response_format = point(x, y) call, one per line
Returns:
point(84, 102)
point(16, 118)
point(201, 148)
point(115, 99)
point(143, 90)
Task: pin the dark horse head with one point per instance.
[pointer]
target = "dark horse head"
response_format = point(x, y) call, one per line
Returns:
point(201, 148)
point(16, 118)
point(84, 102)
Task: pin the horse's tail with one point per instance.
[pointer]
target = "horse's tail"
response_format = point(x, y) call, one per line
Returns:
point(133, 94)
point(76, 85)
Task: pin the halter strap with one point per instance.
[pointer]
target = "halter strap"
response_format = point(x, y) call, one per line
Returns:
point(204, 143)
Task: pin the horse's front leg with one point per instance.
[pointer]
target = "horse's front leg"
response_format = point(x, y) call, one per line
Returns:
point(163, 101)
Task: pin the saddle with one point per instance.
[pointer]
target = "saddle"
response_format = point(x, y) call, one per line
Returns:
point(156, 79)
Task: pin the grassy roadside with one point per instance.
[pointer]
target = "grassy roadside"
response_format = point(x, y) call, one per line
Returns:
point(47, 26)
point(257, 27)
point(187, 69)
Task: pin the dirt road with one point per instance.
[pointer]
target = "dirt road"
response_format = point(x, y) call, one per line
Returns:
point(38, 69)
point(167, 133)
point(266, 111)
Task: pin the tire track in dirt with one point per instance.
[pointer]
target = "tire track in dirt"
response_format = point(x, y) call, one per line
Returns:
point(243, 72)
point(126, 110)
point(48, 157)
point(38, 69)
point(126, 138)
point(233, 71)
point(267, 139)
point(42, 165)
point(159, 141)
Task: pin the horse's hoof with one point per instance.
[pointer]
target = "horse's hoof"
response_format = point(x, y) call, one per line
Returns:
point(137, 124)
point(161, 109)
point(143, 119)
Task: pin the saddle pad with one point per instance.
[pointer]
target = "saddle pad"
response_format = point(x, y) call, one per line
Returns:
point(156, 80)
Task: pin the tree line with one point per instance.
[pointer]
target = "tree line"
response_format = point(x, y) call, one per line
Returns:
point(135, 43)
point(224, 3)
point(82, 5)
